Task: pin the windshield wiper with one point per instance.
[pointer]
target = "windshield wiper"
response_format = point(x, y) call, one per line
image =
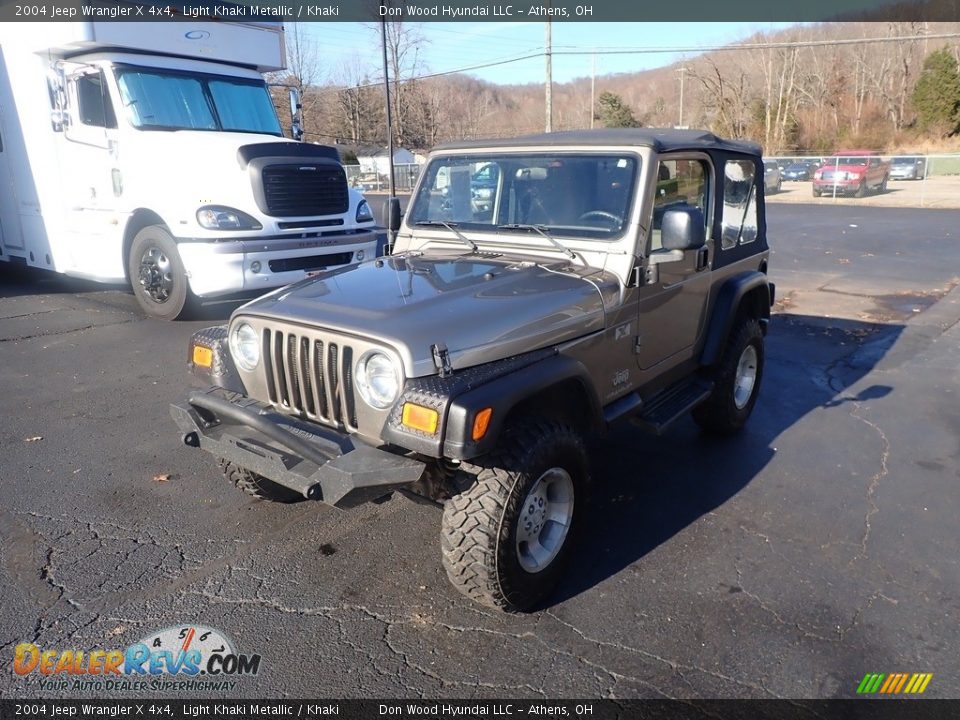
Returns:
point(541, 230)
point(452, 228)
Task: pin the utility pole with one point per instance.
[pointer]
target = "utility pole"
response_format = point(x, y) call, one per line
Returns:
point(682, 71)
point(386, 95)
point(593, 88)
point(549, 78)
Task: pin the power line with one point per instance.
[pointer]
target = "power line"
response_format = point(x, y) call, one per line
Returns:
point(676, 50)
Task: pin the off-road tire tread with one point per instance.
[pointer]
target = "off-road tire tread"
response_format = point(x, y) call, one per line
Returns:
point(472, 527)
point(717, 414)
point(256, 485)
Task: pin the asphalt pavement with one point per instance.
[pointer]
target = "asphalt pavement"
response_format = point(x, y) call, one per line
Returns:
point(817, 546)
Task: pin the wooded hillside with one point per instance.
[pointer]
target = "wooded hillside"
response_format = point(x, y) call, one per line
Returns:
point(806, 89)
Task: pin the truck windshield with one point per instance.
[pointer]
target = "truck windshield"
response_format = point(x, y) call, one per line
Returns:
point(166, 100)
point(577, 194)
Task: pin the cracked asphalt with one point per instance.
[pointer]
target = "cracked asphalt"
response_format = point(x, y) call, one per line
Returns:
point(817, 546)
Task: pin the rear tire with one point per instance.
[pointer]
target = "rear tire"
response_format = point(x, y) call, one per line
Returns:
point(506, 539)
point(157, 275)
point(257, 485)
point(736, 381)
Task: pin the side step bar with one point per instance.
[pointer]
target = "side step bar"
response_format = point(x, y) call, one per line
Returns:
point(669, 405)
point(659, 412)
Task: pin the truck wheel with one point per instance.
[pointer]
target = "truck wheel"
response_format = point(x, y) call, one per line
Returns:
point(506, 538)
point(257, 485)
point(157, 274)
point(737, 381)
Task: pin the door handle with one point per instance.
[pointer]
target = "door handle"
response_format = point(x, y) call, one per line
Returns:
point(703, 258)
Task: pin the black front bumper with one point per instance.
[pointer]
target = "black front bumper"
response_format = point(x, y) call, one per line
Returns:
point(317, 462)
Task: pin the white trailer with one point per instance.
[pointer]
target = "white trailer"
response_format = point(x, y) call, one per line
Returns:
point(151, 153)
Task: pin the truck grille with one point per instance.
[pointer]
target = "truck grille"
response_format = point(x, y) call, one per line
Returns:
point(297, 190)
point(310, 376)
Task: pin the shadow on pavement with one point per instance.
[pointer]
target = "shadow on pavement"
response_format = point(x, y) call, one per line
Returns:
point(22, 281)
point(648, 489)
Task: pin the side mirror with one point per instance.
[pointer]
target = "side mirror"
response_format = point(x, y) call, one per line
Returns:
point(683, 229)
point(296, 127)
point(392, 215)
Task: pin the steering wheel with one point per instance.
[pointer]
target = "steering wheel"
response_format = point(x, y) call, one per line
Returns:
point(603, 214)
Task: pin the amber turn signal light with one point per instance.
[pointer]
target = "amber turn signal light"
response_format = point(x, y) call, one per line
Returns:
point(420, 418)
point(202, 356)
point(481, 423)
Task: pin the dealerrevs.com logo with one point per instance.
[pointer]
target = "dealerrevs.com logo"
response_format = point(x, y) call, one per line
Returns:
point(189, 657)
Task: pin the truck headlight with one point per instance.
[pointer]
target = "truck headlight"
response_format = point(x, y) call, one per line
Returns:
point(218, 217)
point(378, 380)
point(364, 213)
point(245, 346)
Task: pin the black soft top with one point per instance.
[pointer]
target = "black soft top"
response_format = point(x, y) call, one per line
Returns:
point(660, 139)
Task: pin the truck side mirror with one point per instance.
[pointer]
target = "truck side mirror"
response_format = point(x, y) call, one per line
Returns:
point(683, 229)
point(296, 125)
point(392, 215)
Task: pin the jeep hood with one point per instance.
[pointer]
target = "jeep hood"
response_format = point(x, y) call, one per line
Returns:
point(482, 308)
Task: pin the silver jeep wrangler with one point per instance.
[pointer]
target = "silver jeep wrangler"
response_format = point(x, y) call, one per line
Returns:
point(540, 289)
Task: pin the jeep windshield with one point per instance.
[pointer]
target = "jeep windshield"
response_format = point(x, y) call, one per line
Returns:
point(572, 195)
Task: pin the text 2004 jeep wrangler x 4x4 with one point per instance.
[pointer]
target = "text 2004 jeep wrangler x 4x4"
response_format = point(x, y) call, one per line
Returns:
point(592, 276)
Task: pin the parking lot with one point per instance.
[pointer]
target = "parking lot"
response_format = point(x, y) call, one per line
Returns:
point(941, 191)
point(817, 546)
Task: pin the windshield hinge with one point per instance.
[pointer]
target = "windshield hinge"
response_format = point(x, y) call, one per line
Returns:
point(441, 359)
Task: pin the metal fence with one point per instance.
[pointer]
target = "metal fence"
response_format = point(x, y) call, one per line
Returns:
point(367, 180)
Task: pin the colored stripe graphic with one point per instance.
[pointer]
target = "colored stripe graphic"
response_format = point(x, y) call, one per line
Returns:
point(894, 683)
point(903, 680)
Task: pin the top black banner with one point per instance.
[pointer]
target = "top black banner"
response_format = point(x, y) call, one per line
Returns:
point(480, 11)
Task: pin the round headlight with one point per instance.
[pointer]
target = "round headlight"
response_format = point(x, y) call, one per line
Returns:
point(378, 380)
point(245, 346)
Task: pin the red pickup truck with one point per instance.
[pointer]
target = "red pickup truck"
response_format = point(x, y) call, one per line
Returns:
point(851, 172)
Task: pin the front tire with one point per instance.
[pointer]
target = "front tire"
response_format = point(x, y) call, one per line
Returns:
point(157, 274)
point(506, 539)
point(736, 381)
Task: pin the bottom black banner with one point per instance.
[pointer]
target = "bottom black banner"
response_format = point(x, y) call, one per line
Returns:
point(892, 709)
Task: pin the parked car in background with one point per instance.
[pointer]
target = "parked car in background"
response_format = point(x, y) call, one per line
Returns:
point(800, 170)
point(908, 168)
point(851, 172)
point(771, 177)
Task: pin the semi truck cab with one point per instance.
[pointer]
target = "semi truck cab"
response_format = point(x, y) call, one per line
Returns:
point(151, 153)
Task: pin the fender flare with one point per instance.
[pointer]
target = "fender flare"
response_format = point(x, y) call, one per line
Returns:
point(504, 394)
point(725, 310)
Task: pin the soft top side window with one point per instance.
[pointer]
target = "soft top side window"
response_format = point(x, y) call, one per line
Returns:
point(739, 204)
point(680, 183)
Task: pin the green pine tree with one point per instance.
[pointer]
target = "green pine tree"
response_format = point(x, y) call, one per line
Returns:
point(614, 112)
point(936, 97)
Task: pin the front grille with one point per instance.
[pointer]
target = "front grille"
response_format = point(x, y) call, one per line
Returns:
point(310, 376)
point(313, 262)
point(297, 190)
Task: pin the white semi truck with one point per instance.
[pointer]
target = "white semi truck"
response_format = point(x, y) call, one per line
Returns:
point(151, 153)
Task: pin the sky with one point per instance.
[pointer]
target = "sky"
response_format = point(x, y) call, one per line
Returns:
point(456, 45)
